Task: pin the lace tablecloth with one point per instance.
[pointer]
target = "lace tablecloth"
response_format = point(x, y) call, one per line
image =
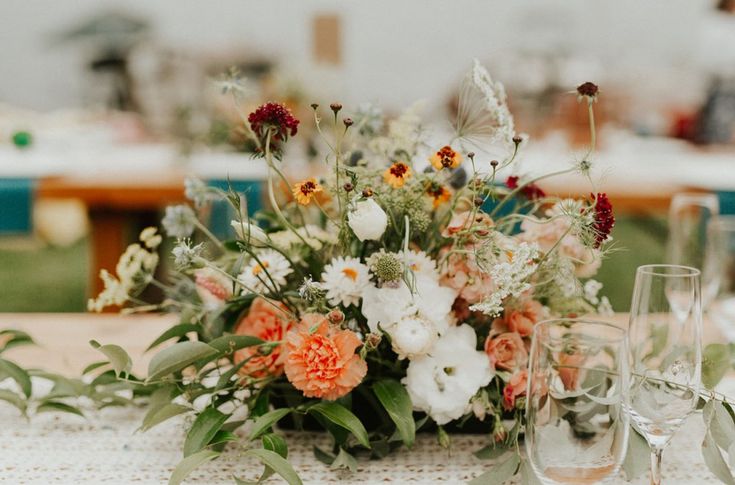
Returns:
point(104, 448)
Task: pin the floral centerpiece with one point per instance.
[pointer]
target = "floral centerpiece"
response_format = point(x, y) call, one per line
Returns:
point(395, 293)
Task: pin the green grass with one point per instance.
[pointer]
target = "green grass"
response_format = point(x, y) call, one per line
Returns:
point(55, 279)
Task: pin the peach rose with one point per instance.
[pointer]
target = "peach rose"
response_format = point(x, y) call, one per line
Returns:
point(521, 320)
point(514, 388)
point(323, 364)
point(268, 321)
point(569, 371)
point(506, 351)
point(464, 275)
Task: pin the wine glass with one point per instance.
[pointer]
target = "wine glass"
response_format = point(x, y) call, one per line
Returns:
point(665, 341)
point(576, 425)
point(689, 214)
point(720, 262)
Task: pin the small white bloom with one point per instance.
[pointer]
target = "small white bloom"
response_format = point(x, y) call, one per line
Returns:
point(368, 220)
point(179, 221)
point(268, 275)
point(150, 237)
point(345, 280)
point(591, 289)
point(185, 254)
point(605, 308)
point(412, 337)
point(443, 382)
point(197, 191)
point(249, 232)
point(420, 263)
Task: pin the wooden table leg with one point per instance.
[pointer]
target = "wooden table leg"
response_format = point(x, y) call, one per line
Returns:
point(109, 240)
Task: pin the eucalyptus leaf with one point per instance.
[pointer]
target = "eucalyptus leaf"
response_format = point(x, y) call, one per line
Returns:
point(203, 430)
point(528, 476)
point(158, 415)
point(396, 401)
point(264, 422)
point(119, 359)
point(716, 361)
point(19, 375)
point(228, 344)
point(714, 460)
point(14, 338)
point(277, 463)
point(57, 406)
point(14, 399)
point(499, 473)
point(188, 464)
point(178, 357)
point(721, 425)
point(342, 417)
point(177, 331)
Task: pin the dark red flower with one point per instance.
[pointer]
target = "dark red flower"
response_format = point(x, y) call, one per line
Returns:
point(530, 191)
point(604, 218)
point(588, 89)
point(275, 117)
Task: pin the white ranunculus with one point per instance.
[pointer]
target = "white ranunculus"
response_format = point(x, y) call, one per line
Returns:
point(249, 232)
point(412, 337)
point(443, 382)
point(386, 306)
point(368, 220)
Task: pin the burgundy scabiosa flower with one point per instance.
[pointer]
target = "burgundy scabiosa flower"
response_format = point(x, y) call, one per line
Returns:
point(277, 119)
point(604, 218)
point(530, 191)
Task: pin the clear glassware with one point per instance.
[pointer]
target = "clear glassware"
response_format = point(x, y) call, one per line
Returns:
point(576, 424)
point(720, 263)
point(689, 215)
point(665, 341)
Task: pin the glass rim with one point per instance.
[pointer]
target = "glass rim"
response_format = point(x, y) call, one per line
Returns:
point(589, 321)
point(657, 270)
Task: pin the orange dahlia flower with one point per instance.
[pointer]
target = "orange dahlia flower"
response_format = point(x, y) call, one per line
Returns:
point(397, 174)
point(323, 363)
point(268, 321)
point(304, 191)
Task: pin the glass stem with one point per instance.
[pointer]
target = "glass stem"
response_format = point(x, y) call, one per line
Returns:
point(656, 454)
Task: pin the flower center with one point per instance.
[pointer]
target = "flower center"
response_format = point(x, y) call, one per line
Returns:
point(399, 170)
point(259, 268)
point(321, 358)
point(350, 273)
point(308, 187)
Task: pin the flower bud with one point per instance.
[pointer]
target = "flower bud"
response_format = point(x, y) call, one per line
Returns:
point(348, 122)
point(314, 106)
point(348, 187)
point(367, 192)
point(335, 107)
point(336, 316)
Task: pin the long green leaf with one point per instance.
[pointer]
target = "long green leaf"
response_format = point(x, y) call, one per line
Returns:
point(57, 406)
point(158, 415)
point(203, 430)
point(227, 344)
point(16, 339)
point(500, 473)
point(277, 463)
point(716, 361)
point(264, 422)
point(177, 357)
point(19, 375)
point(396, 401)
point(120, 360)
point(188, 464)
point(275, 443)
point(344, 460)
point(176, 331)
point(14, 399)
point(343, 418)
point(637, 458)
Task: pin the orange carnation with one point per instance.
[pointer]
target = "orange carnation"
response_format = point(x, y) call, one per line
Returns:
point(323, 364)
point(268, 321)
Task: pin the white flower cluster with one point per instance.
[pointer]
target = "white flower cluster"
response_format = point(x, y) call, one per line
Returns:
point(511, 278)
point(133, 271)
point(404, 134)
point(496, 102)
point(601, 303)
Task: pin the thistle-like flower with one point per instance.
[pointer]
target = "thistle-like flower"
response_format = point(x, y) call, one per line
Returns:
point(179, 221)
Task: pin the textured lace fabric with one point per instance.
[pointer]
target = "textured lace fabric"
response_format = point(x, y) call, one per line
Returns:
point(104, 448)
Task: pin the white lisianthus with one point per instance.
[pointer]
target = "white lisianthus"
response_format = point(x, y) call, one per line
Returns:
point(367, 220)
point(266, 276)
point(345, 279)
point(387, 305)
point(249, 232)
point(412, 337)
point(443, 382)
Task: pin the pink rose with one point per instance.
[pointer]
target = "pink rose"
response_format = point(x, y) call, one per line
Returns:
point(521, 320)
point(506, 351)
point(569, 370)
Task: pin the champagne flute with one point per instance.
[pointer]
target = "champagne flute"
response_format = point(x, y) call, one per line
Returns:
point(665, 337)
point(720, 262)
point(576, 425)
point(689, 215)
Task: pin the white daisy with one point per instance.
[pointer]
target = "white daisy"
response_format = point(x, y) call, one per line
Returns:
point(265, 276)
point(420, 263)
point(345, 279)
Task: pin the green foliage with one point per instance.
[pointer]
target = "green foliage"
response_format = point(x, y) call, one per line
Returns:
point(277, 463)
point(119, 359)
point(177, 331)
point(499, 473)
point(19, 375)
point(263, 423)
point(205, 427)
point(178, 357)
point(716, 361)
point(188, 464)
point(396, 401)
point(14, 338)
point(343, 418)
point(720, 432)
